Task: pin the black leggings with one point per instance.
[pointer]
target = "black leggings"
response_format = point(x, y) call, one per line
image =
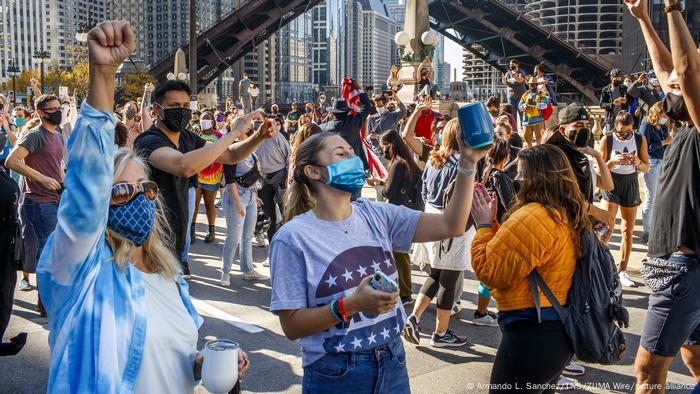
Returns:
point(267, 195)
point(531, 357)
point(443, 283)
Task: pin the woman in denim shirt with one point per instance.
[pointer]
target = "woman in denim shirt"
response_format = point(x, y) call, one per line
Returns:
point(655, 129)
point(120, 316)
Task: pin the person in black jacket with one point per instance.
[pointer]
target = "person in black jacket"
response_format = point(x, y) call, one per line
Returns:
point(614, 98)
point(401, 187)
point(348, 125)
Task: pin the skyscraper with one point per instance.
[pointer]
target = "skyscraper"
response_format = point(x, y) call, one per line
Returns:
point(481, 79)
point(594, 24)
point(370, 42)
point(329, 50)
point(21, 34)
point(294, 60)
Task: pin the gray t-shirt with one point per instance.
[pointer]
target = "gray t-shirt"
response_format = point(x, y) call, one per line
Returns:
point(309, 270)
point(515, 89)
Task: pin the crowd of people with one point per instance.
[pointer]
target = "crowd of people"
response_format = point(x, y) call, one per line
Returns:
point(523, 204)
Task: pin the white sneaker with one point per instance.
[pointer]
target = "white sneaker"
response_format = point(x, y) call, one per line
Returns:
point(260, 240)
point(574, 369)
point(456, 309)
point(489, 319)
point(565, 384)
point(24, 285)
point(225, 279)
point(625, 280)
point(266, 263)
point(254, 275)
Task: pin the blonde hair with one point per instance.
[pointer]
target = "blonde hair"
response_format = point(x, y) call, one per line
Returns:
point(157, 257)
point(655, 112)
point(449, 146)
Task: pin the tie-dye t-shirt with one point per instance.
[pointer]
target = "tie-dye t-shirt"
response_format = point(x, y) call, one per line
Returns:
point(315, 261)
point(212, 174)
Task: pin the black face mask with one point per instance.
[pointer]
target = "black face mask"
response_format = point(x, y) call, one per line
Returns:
point(54, 117)
point(176, 119)
point(675, 108)
point(387, 153)
point(615, 83)
point(623, 135)
point(580, 137)
point(513, 67)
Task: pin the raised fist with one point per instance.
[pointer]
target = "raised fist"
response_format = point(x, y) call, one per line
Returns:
point(110, 43)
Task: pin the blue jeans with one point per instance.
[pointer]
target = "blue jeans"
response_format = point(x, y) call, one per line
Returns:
point(42, 217)
point(380, 370)
point(240, 229)
point(651, 179)
point(191, 193)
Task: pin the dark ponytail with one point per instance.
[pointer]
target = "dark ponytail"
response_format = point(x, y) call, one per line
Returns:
point(500, 150)
point(299, 198)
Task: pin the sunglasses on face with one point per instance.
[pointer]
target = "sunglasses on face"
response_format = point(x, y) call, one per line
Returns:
point(123, 193)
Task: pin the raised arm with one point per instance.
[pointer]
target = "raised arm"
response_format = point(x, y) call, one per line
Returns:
point(187, 164)
point(686, 61)
point(82, 214)
point(453, 221)
point(659, 55)
point(409, 130)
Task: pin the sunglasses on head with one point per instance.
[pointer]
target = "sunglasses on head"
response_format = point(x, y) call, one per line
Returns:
point(123, 193)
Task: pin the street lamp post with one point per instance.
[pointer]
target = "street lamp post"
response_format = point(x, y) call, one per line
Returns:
point(193, 50)
point(43, 57)
point(14, 72)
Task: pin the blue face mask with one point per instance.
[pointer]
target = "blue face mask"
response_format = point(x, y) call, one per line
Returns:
point(19, 122)
point(347, 175)
point(438, 138)
point(663, 121)
point(133, 220)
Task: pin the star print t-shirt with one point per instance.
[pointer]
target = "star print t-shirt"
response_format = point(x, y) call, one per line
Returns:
point(314, 262)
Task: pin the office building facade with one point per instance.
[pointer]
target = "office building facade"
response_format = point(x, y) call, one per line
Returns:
point(635, 57)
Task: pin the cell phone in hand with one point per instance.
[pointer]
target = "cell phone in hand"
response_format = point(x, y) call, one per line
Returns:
point(381, 282)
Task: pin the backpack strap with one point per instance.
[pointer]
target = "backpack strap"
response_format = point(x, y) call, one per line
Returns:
point(536, 281)
point(638, 140)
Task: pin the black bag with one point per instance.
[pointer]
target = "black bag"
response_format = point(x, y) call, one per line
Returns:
point(413, 198)
point(594, 309)
point(249, 178)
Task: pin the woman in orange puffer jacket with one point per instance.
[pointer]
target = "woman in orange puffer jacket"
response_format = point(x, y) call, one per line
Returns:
point(544, 231)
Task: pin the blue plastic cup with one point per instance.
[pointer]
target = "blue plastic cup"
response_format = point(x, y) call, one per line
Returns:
point(476, 125)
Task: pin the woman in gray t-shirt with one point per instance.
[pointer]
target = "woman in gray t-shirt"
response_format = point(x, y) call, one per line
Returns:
point(323, 259)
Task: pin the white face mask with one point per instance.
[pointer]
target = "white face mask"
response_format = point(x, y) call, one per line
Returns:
point(207, 124)
point(381, 110)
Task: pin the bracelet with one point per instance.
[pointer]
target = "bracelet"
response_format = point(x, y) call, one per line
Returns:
point(334, 307)
point(343, 314)
point(465, 171)
point(674, 7)
point(480, 226)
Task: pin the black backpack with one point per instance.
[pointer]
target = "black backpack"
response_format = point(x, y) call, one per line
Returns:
point(413, 198)
point(594, 309)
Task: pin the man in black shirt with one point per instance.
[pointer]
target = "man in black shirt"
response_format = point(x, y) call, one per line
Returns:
point(614, 98)
point(672, 271)
point(174, 154)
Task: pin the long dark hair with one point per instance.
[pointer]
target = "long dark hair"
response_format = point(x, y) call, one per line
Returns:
point(547, 179)
point(500, 150)
point(398, 150)
point(298, 196)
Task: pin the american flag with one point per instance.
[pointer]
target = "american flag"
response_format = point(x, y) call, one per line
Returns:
point(351, 96)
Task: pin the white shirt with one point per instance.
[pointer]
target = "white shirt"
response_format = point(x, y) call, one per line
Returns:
point(628, 146)
point(171, 340)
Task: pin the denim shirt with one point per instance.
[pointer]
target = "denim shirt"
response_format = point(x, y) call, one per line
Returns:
point(655, 137)
point(96, 310)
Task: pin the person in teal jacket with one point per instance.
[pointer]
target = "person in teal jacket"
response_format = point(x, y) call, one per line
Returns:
point(109, 280)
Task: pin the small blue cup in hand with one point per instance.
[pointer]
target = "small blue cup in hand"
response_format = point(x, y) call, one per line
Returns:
point(476, 125)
